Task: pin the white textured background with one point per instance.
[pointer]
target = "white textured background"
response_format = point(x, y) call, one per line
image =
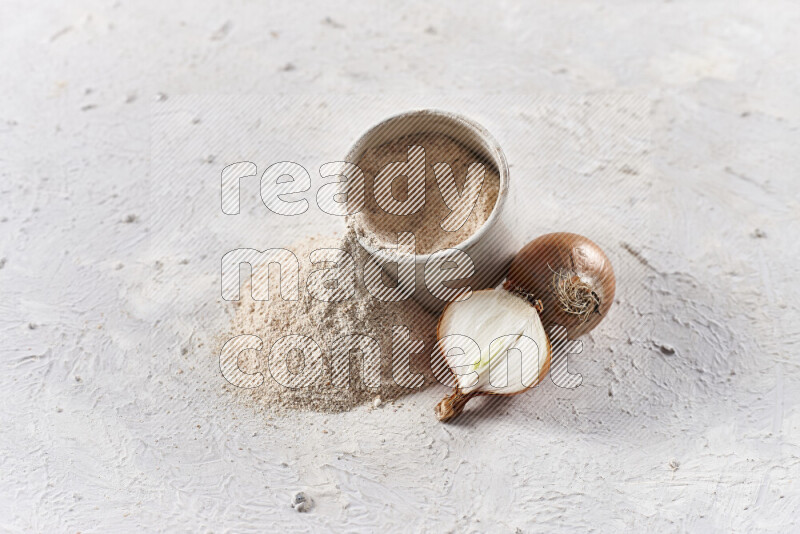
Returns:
point(113, 412)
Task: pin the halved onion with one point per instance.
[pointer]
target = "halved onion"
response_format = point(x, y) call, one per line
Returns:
point(494, 344)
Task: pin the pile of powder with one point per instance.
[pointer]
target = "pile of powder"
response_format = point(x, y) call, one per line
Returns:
point(325, 322)
point(380, 228)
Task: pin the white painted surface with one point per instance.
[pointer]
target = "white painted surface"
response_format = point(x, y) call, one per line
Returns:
point(114, 413)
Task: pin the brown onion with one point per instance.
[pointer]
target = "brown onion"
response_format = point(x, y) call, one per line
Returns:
point(572, 277)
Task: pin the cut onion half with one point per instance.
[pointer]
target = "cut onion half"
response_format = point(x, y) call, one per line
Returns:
point(494, 344)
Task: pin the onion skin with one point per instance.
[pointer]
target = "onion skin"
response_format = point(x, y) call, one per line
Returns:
point(536, 270)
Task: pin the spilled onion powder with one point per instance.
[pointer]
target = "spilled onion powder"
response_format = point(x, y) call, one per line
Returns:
point(324, 322)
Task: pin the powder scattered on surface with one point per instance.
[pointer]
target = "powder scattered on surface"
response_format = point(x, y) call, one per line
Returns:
point(325, 322)
point(380, 228)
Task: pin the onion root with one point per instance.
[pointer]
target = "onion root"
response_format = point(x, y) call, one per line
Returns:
point(575, 296)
